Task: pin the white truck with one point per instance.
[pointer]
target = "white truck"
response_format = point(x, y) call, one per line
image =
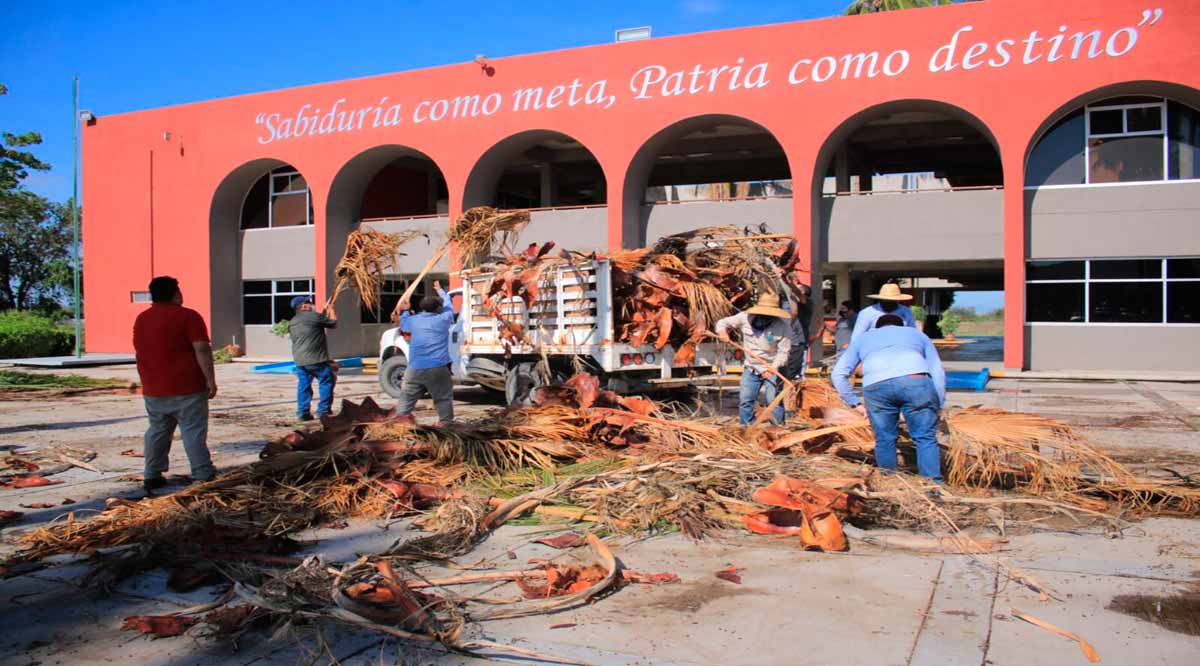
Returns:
point(570, 325)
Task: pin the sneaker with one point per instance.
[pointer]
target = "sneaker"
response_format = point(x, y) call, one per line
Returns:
point(154, 483)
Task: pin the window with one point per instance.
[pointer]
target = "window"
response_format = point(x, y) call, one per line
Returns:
point(1119, 140)
point(1119, 291)
point(1126, 143)
point(389, 294)
point(266, 302)
point(279, 199)
point(139, 297)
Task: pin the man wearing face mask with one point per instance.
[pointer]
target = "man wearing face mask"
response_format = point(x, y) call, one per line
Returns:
point(887, 301)
point(766, 333)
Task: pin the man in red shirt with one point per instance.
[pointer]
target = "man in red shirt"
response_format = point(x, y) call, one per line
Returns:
point(174, 360)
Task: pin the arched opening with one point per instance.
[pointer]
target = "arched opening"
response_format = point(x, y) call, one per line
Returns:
point(390, 189)
point(911, 191)
point(552, 173)
point(727, 169)
point(1112, 195)
point(262, 245)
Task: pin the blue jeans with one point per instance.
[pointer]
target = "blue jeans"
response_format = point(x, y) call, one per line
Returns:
point(917, 399)
point(326, 379)
point(748, 395)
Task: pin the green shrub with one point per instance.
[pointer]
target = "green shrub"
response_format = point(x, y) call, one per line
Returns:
point(918, 313)
point(13, 379)
point(27, 335)
point(222, 355)
point(282, 328)
point(949, 322)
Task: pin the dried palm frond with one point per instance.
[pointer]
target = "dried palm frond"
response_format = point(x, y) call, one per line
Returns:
point(476, 230)
point(370, 256)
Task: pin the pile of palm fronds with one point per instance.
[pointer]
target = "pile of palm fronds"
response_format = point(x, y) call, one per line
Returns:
point(671, 294)
point(370, 256)
point(578, 453)
point(481, 232)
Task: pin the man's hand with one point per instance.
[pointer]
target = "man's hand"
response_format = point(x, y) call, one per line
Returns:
point(724, 337)
point(402, 307)
point(437, 286)
point(212, 390)
point(861, 410)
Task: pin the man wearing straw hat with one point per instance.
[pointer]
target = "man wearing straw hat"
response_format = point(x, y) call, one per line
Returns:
point(902, 374)
point(766, 334)
point(888, 301)
point(310, 352)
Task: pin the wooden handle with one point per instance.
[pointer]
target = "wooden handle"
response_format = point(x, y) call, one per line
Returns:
point(412, 286)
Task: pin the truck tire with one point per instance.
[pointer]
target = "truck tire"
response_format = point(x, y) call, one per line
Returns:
point(391, 375)
point(519, 382)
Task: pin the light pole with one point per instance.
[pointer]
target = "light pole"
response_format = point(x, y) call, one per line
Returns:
point(75, 120)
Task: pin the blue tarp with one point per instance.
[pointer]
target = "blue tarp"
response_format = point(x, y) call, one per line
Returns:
point(287, 367)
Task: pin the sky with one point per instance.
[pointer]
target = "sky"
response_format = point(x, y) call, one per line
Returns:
point(140, 55)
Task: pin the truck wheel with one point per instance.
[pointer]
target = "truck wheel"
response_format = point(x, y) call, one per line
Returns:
point(519, 383)
point(391, 375)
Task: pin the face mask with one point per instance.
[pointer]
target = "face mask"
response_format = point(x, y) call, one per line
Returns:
point(760, 322)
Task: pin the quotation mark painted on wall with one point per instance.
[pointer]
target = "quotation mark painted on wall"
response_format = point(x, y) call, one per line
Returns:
point(1150, 16)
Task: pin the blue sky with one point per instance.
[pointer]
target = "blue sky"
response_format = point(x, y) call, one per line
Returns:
point(139, 55)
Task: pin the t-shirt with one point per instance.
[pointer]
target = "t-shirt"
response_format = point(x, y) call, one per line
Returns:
point(307, 331)
point(430, 343)
point(166, 360)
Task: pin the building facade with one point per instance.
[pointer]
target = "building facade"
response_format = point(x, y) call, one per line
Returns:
point(1049, 150)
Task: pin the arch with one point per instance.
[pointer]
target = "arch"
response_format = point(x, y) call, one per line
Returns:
point(953, 232)
point(1171, 91)
point(710, 148)
point(565, 171)
point(1060, 135)
point(224, 242)
point(390, 188)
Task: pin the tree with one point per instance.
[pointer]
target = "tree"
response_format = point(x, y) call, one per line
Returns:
point(35, 244)
point(35, 234)
point(14, 163)
point(873, 6)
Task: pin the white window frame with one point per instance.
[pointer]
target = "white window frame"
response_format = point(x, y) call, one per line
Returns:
point(272, 194)
point(1161, 105)
point(1087, 281)
point(271, 296)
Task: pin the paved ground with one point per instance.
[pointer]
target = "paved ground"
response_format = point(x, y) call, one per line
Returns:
point(867, 606)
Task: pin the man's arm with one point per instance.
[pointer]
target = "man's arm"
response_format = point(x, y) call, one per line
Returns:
point(447, 301)
point(936, 372)
point(845, 367)
point(204, 358)
point(910, 319)
point(329, 318)
point(725, 324)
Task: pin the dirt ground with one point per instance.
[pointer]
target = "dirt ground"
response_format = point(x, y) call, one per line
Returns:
point(1133, 596)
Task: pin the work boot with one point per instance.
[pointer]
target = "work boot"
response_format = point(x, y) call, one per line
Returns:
point(305, 417)
point(153, 483)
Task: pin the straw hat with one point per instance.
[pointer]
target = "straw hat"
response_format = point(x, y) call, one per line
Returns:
point(891, 292)
point(768, 304)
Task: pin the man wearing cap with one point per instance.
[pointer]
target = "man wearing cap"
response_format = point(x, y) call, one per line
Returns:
point(766, 334)
point(310, 352)
point(902, 374)
point(888, 301)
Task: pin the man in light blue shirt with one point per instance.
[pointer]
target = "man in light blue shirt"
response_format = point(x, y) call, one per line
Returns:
point(902, 374)
point(428, 356)
point(888, 301)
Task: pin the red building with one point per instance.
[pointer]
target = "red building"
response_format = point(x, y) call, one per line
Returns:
point(1051, 150)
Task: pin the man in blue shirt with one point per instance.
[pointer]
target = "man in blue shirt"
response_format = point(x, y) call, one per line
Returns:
point(902, 374)
point(428, 356)
point(887, 302)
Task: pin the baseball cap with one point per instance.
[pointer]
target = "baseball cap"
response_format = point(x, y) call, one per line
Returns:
point(301, 300)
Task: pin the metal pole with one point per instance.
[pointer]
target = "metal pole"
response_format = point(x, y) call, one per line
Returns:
point(75, 250)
